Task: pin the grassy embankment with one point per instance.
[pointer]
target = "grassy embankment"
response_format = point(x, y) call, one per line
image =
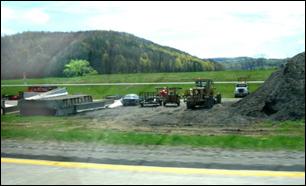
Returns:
point(286, 135)
point(99, 92)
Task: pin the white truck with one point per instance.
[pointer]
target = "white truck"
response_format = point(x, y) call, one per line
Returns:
point(241, 88)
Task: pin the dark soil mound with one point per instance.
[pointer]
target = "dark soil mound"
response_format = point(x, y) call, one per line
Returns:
point(281, 97)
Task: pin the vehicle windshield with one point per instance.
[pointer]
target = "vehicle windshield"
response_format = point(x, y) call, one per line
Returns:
point(131, 96)
point(241, 85)
point(201, 83)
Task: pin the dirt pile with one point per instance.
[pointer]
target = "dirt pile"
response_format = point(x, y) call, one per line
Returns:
point(281, 97)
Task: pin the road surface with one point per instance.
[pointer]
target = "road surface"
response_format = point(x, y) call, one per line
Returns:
point(23, 171)
point(154, 155)
point(103, 84)
point(94, 163)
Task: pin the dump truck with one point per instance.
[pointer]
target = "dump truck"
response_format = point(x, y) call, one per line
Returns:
point(241, 88)
point(202, 95)
point(169, 95)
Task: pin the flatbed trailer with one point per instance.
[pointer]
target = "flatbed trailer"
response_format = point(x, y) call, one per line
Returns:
point(149, 99)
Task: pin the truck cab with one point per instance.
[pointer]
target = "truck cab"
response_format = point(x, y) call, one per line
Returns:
point(241, 90)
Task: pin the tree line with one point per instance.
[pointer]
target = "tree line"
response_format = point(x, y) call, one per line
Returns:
point(248, 63)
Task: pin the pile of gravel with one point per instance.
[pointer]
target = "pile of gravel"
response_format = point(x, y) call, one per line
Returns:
point(281, 97)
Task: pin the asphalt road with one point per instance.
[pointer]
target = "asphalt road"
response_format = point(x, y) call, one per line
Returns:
point(212, 158)
point(20, 171)
point(118, 164)
point(100, 84)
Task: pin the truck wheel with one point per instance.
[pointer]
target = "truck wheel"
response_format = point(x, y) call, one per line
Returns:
point(210, 102)
point(164, 103)
point(209, 105)
point(178, 104)
point(219, 98)
point(189, 106)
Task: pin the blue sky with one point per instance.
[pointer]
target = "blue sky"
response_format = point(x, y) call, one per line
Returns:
point(204, 29)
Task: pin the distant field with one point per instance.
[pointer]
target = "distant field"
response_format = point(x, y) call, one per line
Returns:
point(286, 135)
point(254, 75)
point(99, 92)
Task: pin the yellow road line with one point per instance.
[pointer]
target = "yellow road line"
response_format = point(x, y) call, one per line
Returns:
point(155, 169)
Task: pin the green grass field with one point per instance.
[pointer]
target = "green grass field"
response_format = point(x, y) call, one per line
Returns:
point(287, 135)
point(154, 77)
point(99, 92)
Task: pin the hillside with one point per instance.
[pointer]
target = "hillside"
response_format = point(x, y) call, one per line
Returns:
point(248, 63)
point(41, 54)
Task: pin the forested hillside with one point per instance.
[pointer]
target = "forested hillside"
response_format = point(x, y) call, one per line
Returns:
point(248, 63)
point(41, 54)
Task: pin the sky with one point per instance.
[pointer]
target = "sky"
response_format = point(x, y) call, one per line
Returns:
point(203, 29)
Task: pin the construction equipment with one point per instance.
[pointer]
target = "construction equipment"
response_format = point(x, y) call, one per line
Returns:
point(241, 88)
point(169, 95)
point(202, 95)
point(149, 99)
